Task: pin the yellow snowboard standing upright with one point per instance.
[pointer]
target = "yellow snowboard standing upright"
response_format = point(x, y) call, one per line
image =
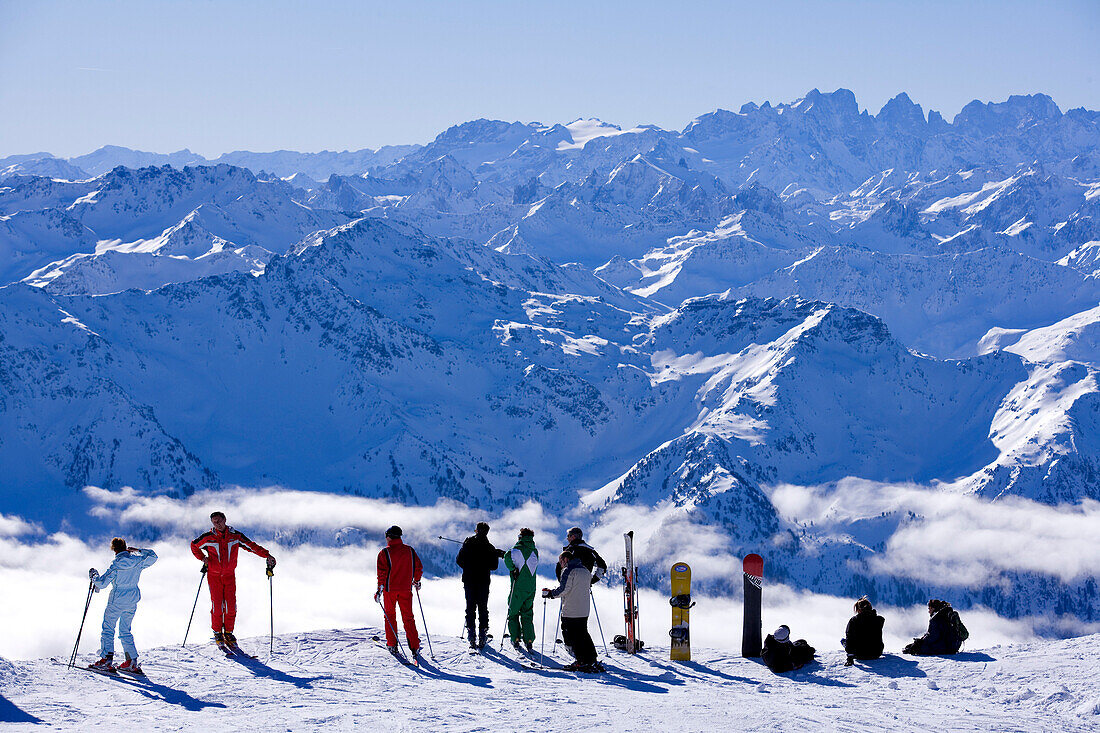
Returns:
point(681, 603)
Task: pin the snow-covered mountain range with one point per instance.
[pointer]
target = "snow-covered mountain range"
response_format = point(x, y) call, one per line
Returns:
point(786, 298)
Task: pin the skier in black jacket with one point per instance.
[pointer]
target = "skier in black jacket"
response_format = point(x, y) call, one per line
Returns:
point(941, 637)
point(581, 550)
point(863, 637)
point(782, 655)
point(478, 558)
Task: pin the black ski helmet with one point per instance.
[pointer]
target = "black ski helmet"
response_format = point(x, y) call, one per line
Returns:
point(393, 531)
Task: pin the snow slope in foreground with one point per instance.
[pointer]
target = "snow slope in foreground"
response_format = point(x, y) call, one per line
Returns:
point(337, 680)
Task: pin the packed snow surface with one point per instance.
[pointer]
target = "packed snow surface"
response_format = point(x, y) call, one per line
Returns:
point(341, 679)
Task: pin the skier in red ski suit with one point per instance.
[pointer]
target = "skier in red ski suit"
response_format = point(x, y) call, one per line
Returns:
point(399, 571)
point(217, 548)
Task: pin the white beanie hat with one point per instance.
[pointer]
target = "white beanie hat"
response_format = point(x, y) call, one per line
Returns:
point(782, 633)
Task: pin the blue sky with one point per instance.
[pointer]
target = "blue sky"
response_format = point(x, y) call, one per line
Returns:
point(236, 74)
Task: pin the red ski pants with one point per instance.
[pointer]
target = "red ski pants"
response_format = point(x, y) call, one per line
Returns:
point(405, 601)
point(223, 601)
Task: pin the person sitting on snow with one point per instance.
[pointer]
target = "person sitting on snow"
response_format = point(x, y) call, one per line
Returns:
point(945, 634)
point(123, 574)
point(863, 637)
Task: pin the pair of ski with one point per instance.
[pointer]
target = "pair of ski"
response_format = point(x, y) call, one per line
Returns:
point(115, 672)
point(398, 655)
point(232, 651)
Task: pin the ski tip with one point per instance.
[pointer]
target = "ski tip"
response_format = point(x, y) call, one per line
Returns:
point(754, 565)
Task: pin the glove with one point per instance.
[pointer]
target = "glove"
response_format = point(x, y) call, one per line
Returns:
point(271, 561)
point(378, 596)
point(93, 574)
point(514, 574)
point(545, 592)
point(501, 553)
point(595, 579)
point(204, 569)
point(416, 584)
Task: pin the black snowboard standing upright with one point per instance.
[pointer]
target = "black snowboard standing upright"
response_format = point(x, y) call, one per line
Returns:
point(754, 582)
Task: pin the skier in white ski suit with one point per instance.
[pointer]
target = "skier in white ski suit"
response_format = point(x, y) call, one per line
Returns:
point(122, 603)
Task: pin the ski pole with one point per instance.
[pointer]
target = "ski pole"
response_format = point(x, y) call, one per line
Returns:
point(542, 645)
point(508, 614)
point(556, 629)
point(87, 603)
point(393, 626)
point(202, 577)
point(598, 624)
point(271, 607)
point(425, 620)
point(448, 539)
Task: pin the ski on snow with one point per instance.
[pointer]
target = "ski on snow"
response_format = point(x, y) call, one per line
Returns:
point(396, 654)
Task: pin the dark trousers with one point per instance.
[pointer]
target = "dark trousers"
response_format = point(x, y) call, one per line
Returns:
point(574, 632)
point(477, 602)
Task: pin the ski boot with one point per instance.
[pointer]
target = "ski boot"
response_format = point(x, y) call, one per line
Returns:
point(482, 638)
point(530, 645)
point(105, 665)
point(392, 649)
point(131, 666)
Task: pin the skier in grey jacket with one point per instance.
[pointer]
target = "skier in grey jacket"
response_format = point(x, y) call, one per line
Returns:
point(575, 591)
point(122, 603)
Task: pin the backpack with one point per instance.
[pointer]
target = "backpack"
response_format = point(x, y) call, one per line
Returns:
point(958, 628)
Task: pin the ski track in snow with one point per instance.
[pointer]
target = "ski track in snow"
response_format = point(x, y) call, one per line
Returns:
point(341, 679)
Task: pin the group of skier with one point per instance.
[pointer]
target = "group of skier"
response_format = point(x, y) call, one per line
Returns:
point(399, 574)
point(863, 638)
point(579, 566)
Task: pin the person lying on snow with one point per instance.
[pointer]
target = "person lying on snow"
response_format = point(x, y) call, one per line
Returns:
point(863, 637)
point(783, 655)
point(945, 634)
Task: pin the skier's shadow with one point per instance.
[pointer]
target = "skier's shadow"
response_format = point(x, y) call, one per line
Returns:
point(428, 669)
point(701, 669)
point(620, 678)
point(972, 657)
point(259, 669)
point(160, 693)
point(12, 713)
point(892, 665)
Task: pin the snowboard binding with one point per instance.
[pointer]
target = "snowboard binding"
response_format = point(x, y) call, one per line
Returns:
point(681, 601)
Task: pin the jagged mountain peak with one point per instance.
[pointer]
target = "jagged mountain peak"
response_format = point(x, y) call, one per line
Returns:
point(1019, 110)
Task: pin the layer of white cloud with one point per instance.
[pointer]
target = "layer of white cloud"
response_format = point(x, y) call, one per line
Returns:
point(950, 538)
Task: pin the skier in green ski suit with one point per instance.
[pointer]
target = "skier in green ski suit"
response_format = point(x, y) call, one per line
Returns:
point(522, 562)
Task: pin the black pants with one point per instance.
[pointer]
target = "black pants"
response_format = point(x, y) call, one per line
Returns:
point(477, 602)
point(574, 632)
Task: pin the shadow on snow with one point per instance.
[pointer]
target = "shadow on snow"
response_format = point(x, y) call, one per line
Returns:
point(12, 713)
